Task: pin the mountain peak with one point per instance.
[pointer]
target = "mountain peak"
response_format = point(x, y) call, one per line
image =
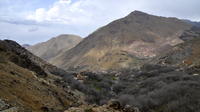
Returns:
point(54, 46)
point(11, 43)
point(136, 12)
point(134, 37)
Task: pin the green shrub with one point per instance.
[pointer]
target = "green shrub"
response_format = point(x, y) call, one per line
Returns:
point(88, 110)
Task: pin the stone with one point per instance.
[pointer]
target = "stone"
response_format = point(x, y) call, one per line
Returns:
point(3, 105)
point(115, 104)
point(129, 108)
point(12, 109)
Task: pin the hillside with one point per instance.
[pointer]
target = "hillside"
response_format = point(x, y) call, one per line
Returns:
point(140, 63)
point(124, 43)
point(185, 55)
point(29, 84)
point(55, 46)
point(153, 88)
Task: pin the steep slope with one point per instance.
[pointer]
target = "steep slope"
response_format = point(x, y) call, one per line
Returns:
point(185, 55)
point(53, 47)
point(124, 43)
point(28, 84)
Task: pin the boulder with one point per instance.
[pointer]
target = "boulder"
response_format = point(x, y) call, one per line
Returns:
point(115, 104)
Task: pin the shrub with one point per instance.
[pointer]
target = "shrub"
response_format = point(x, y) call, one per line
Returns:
point(88, 110)
point(2, 59)
point(154, 88)
point(117, 88)
point(168, 92)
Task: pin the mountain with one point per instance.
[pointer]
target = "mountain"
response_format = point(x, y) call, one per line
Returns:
point(55, 46)
point(124, 43)
point(185, 55)
point(26, 45)
point(27, 83)
point(197, 24)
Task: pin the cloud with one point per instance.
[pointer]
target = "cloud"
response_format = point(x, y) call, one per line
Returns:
point(33, 29)
point(90, 12)
point(62, 11)
point(53, 17)
point(33, 34)
point(19, 22)
point(80, 12)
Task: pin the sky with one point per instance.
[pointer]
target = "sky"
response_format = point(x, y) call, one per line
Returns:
point(34, 21)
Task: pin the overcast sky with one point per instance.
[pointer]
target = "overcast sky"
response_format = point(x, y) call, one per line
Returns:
point(33, 21)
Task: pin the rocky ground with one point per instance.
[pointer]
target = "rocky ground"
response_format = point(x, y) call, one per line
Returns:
point(29, 84)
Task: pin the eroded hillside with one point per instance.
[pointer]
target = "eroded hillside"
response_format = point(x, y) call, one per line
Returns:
point(29, 84)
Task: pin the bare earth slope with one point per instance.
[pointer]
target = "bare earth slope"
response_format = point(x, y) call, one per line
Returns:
point(185, 55)
point(28, 84)
point(53, 47)
point(124, 43)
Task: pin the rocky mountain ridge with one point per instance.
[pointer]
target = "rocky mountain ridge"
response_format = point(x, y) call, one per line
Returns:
point(125, 43)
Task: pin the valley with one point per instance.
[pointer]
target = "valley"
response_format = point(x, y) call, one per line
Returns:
point(140, 63)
